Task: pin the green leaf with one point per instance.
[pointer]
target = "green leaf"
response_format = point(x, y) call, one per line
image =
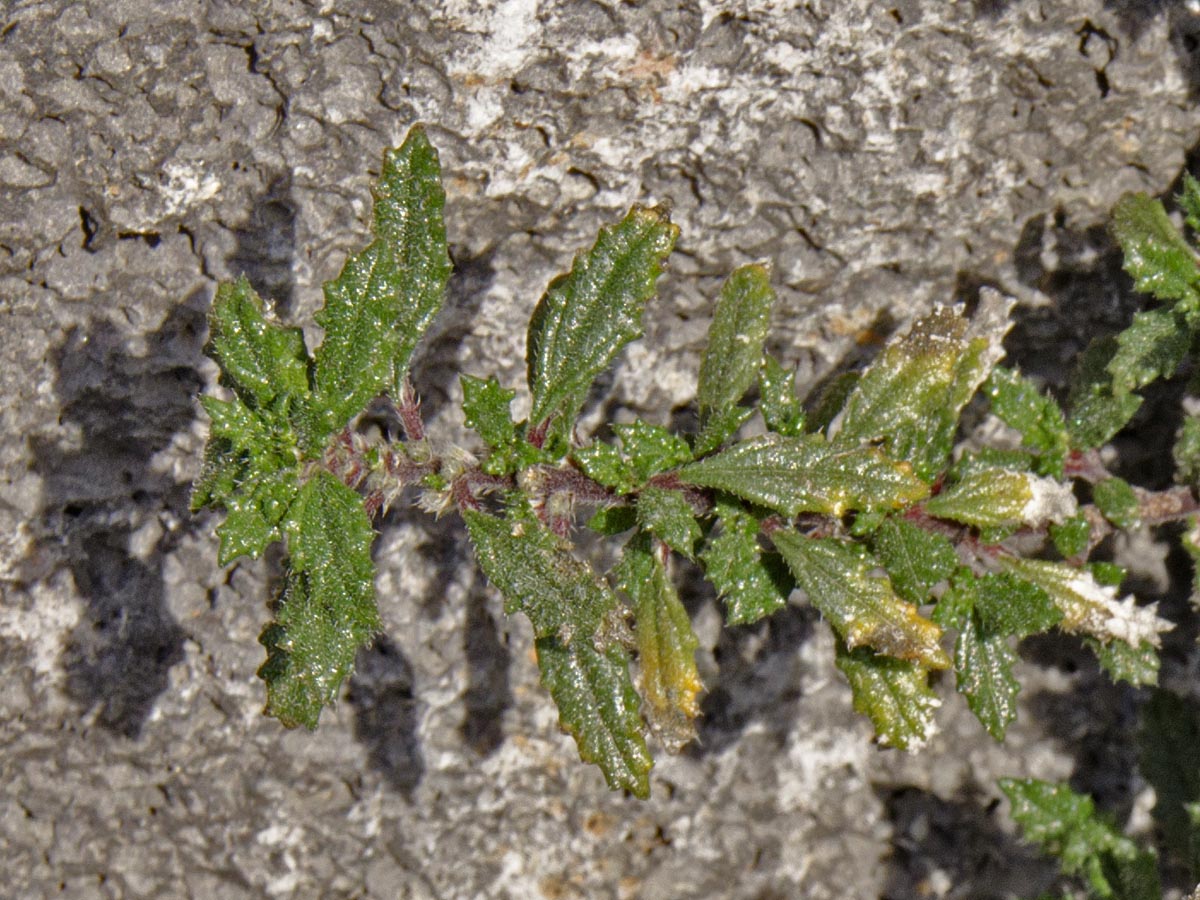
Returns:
point(651, 448)
point(587, 316)
point(915, 559)
point(485, 407)
point(1089, 607)
point(752, 582)
point(1135, 665)
point(327, 611)
point(1018, 403)
point(1115, 498)
point(1066, 824)
point(604, 463)
point(863, 609)
point(598, 706)
point(780, 407)
point(1189, 201)
point(911, 396)
point(1187, 451)
point(613, 520)
point(265, 364)
point(807, 474)
point(983, 662)
point(1096, 411)
point(1009, 606)
point(893, 693)
point(993, 498)
point(386, 296)
point(1072, 537)
point(254, 514)
point(1156, 255)
point(735, 350)
point(666, 644)
point(1152, 347)
point(1132, 877)
point(669, 517)
point(559, 593)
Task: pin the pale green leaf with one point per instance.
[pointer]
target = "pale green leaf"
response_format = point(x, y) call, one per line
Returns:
point(894, 694)
point(992, 498)
point(807, 474)
point(1137, 666)
point(486, 410)
point(839, 579)
point(559, 593)
point(1152, 347)
point(752, 582)
point(327, 611)
point(1156, 255)
point(598, 706)
point(388, 294)
point(1115, 498)
point(588, 315)
point(670, 683)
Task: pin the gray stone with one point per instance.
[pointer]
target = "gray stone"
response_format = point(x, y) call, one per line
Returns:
point(882, 157)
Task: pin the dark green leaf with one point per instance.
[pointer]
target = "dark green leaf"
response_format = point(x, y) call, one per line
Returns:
point(587, 316)
point(752, 582)
point(983, 662)
point(1009, 606)
point(669, 517)
point(265, 364)
point(778, 402)
point(735, 349)
point(613, 520)
point(1073, 536)
point(1156, 255)
point(893, 693)
point(1096, 411)
point(1132, 877)
point(1019, 404)
point(915, 559)
point(387, 295)
point(1115, 498)
point(807, 474)
point(839, 579)
point(604, 463)
point(328, 607)
point(722, 425)
point(598, 706)
point(1137, 666)
point(651, 448)
point(666, 644)
point(559, 593)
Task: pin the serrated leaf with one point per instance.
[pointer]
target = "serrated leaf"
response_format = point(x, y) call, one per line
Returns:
point(735, 350)
point(780, 407)
point(1089, 607)
point(1066, 824)
point(914, 558)
point(983, 662)
point(1156, 255)
point(1137, 666)
point(666, 645)
point(265, 364)
point(668, 516)
point(559, 593)
point(1096, 411)
point(910, 398)
point(328, 607)
point(387, 295)
point(588, 315)
point(807, 474)
point(1007, 605)
point(1169, 745)
point(1152, 347)
point(651, 449)
point(255, 512)
point(1073, 536)
point(894, 694)
point(752, 583)
point(721, 426)
point(1116, 499)
point(598, 706)
point(604, 463)
point(1018, 403)
point(993, 498)
point(486, 410)
point(838, 577)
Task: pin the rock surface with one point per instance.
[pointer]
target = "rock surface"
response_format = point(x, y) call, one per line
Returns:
point(882, 156)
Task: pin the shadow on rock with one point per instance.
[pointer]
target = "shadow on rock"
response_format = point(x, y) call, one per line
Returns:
point(110, 515)
point(488, 693)
point(387, 714)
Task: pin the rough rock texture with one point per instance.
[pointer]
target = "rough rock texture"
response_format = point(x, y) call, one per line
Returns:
point(883, 156)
